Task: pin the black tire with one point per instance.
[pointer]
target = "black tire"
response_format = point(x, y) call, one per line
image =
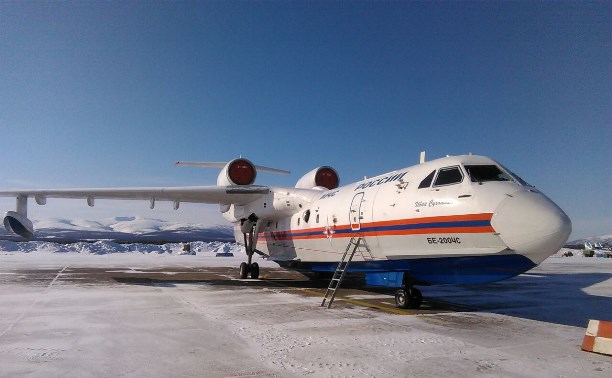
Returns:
point(408, 298)
point(416, 298)
point(244, 270)
point(401, 298)
point(254, 271)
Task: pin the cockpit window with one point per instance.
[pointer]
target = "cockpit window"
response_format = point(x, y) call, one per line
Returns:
point(516, 177)
point(426, 183)
point(484, 173)
point(448, 176)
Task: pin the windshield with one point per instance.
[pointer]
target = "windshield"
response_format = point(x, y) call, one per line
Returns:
point(516, 177)
point(484, 173)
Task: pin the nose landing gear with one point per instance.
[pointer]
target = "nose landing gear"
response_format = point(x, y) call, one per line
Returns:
point(408, 297)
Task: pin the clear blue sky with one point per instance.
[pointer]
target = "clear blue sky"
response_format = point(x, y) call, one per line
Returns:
point(96, 94)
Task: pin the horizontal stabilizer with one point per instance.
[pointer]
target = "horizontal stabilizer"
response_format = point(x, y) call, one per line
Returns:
point(206, 164)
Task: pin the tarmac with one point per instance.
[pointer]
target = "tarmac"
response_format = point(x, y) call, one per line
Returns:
point(103, 316)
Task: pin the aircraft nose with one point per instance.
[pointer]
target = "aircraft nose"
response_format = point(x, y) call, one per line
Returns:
point(532, 225)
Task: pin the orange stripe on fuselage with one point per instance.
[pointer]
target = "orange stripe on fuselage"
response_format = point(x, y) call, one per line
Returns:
point(439, 219)
point(340, 231)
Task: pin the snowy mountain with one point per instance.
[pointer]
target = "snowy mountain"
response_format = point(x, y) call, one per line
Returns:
point(123, 229)
point(104, 247)
point(605, 240)
point(145, 230)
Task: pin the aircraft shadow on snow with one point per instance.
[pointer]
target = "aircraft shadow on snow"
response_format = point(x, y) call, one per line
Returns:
point(552, 298)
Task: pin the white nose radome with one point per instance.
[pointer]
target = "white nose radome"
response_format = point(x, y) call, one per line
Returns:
point(532, 225)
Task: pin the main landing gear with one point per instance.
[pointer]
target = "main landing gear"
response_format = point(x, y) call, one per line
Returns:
point(246, 268)
point(408, 296)
point(248, 230)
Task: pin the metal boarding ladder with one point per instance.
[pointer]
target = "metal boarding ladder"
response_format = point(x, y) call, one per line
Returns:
point(334, 284)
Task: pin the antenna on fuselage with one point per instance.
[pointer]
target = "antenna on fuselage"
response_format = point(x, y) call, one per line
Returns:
point(422, 157)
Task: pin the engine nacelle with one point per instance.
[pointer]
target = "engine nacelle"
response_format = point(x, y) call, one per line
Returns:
point(237, 172)
point(322, 177)
point(18, 224)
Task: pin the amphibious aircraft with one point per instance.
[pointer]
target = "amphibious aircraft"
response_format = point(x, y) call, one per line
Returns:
point(454, 220)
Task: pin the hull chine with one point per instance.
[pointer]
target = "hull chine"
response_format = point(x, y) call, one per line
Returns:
point(464, 270)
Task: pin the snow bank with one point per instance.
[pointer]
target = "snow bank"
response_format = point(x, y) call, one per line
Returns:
point(104, 247)
point(123, 230)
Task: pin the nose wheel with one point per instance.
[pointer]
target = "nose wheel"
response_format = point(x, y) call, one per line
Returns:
point(408, 297)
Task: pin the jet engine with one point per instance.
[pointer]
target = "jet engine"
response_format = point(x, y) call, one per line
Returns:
point(237, 172)
point(18, 224)
point(322, 177)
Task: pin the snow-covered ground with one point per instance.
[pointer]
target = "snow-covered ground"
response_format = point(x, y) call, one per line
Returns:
point(56, 320)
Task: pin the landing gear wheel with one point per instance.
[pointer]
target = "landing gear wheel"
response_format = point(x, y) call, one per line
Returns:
point(244, 270)
point(408, 298)
point(416, 296)
point(254, 271)
point(401, 298)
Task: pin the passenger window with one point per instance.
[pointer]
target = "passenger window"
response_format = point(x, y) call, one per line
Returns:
point(449, 176)
point(426, 183)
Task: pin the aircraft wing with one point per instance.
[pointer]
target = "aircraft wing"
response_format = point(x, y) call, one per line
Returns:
point(235, 187)
point(233, 194)
point(18, 223)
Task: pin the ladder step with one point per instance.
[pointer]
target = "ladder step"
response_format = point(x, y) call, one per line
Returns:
point(342, 268)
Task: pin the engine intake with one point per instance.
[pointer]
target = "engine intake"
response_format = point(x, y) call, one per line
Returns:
point(237, 172)
point(322, 177)
point(18, 224)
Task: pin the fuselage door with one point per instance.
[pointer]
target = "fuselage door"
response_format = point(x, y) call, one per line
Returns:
point(355, 214)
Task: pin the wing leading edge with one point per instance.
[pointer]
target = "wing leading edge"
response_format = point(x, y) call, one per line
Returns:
point(234, 194)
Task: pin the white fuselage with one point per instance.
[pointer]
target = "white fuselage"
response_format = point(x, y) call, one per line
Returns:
point(402, 218)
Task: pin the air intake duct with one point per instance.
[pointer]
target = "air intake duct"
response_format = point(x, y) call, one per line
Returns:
point(18, 224)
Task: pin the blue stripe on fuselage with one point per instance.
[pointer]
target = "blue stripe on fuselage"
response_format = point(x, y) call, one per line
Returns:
point(418, 226)
point(374, 228)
